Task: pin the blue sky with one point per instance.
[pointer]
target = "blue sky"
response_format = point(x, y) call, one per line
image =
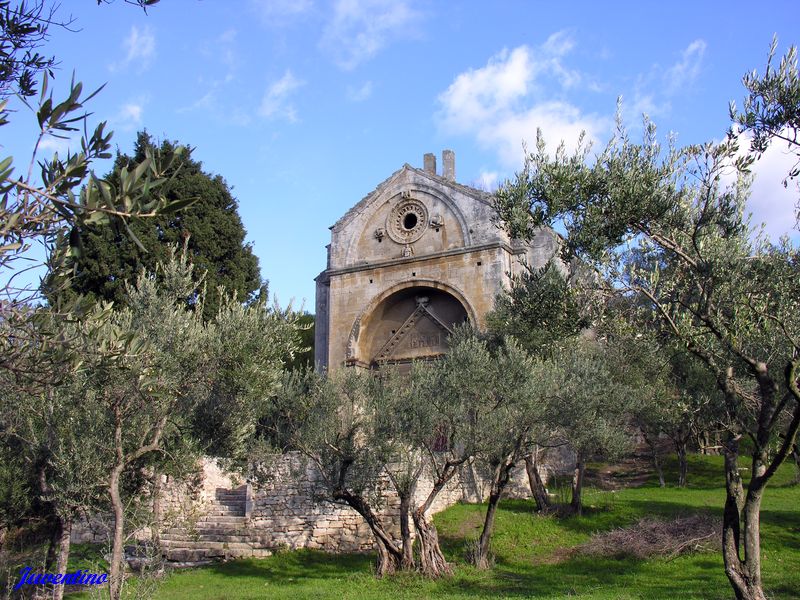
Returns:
point(305, 106)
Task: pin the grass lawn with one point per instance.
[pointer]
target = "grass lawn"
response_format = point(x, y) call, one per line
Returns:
point(530, 554)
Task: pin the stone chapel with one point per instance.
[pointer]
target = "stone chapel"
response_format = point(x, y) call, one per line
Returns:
point(415, 257)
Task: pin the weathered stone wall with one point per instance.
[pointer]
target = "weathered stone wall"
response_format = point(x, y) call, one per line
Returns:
point(289, 509)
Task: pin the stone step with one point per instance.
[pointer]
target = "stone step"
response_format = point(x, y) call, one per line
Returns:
point(224, 512)
point(206, 545)
point(222, 519)
point(208, 529)
point(186, 555)
point(211, 528)
point(230, 503)
point(218, 536)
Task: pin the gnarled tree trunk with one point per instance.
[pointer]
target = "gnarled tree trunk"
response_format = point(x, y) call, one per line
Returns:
point(390, 557)
point(407, 560)
point(538, 490)
point(432, 562)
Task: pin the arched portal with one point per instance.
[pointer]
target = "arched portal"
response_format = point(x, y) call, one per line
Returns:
point(408, 324)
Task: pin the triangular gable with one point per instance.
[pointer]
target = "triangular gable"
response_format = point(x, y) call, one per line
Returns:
point(362, 205)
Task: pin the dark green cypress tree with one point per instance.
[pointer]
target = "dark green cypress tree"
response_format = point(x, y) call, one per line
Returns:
point(211, 225)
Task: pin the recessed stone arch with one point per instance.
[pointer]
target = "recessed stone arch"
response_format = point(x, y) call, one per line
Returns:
point(408, 321)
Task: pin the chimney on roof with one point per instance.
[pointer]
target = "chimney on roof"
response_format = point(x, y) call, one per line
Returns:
point(429, 163)
point(449, 165)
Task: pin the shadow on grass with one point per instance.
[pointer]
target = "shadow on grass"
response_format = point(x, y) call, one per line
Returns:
point(296, 566)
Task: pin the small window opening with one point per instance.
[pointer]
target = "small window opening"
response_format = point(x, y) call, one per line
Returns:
point(479, 263)
point(409, 221)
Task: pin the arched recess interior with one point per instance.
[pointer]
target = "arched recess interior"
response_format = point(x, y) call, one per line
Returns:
point(408, 321)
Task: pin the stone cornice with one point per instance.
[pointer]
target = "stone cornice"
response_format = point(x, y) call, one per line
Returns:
point(421, 259)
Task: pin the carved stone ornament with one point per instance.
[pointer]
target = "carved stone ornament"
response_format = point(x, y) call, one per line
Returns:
point(379, 233)
point(407, 221)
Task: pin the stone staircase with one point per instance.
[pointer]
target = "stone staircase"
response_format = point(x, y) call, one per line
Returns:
point(222, 534)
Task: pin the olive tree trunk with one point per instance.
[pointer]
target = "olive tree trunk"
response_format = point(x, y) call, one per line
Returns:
point(683, 465)
point(407, 543)
point(577, 485)
point(500, 480)
point(390, 557)
point(63, 555)
point(116, 574)
point(538, 491)
point(432, 562)
point(741, 534)
point(654, 454)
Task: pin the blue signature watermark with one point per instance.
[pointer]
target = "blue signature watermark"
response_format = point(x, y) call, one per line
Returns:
point(79, 577)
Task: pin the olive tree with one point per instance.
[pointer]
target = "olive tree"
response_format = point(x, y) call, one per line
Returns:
point(729, 296)
point(331, 420)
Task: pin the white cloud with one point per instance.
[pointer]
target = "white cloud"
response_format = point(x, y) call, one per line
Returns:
point(361, 93)
point(770, 202)
point(501, 103)
point(275, 103)
point(359, 29)
point(686, 70)
point(140, 49)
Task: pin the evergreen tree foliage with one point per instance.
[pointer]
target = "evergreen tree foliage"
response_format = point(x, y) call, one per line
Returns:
point(211, 223)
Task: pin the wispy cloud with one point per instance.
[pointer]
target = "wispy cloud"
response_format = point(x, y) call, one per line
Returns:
point(221, 50)
point(129, 116)
point(654, 90)
point(488, 181)
point(279, 12)
point(360, 93)
point(55, 144)
point(276, 102)
point(686, 70)
point(502, 104)
point(140, 49)
point(359, 29)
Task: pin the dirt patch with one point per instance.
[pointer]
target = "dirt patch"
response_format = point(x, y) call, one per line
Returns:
point(651, 537)
point(468, 526)
point(632, 471)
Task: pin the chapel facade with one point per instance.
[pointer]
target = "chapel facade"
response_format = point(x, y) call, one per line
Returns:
point(413, 259)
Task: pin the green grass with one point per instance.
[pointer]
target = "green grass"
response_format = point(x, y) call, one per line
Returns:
point(526, 548)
